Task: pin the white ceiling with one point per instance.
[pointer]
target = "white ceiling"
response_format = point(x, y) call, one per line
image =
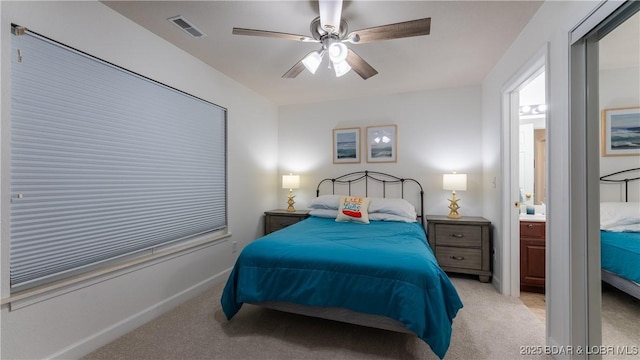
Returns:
point(467, 39)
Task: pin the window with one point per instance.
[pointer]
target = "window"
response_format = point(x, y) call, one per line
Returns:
point(105, 163)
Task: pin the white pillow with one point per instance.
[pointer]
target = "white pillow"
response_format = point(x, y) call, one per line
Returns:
point(325, 202)
point(399, 207)
point(389, 217)
point(614, 214)
point(353, 208)
point(324, 213)
point(620, 228)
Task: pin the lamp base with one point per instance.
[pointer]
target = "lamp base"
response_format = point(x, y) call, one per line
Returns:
point(291, 202)
point(453, 214)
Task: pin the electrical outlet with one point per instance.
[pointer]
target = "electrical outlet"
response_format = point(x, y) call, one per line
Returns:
point(234, 247)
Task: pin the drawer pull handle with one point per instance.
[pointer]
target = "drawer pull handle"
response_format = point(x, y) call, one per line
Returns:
point(529, 226)
point(459, 236)
point(457, 257)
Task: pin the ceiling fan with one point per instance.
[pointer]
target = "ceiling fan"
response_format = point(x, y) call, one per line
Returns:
point(332, 32)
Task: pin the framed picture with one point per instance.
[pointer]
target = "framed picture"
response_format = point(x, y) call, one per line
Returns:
point(346, 146)
point(621, 132)
point(382, 143)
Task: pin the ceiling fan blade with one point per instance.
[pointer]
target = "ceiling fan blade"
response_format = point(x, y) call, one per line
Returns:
point(360, 66)
point(294, 71)
point(330, 15)
point(392, 31)
point(273, 34)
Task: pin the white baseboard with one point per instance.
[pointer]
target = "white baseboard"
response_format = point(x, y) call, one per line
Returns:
point(107, 335)
point(497, 283)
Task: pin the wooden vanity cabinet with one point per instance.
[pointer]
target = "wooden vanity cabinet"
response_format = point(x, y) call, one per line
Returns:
point(532, 256)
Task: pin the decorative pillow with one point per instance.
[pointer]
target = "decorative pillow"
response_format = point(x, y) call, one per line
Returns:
point(399, 207)
point(324, 213)
point(325, 202)
point(353, 209)
point(614, 214)
point(389, 217)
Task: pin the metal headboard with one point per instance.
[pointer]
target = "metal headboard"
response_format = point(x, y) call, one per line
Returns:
point(367, 177)
point(618, 179)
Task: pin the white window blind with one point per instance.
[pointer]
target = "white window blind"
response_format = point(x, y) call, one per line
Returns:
point(104, 163)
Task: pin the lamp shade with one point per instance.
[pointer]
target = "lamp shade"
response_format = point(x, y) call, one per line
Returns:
point(338, 52)
point(312, 61)
point(290, 181)
point(454, 182)
point(341, 68)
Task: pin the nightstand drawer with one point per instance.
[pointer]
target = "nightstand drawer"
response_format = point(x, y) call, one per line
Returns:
point(532, 229)
point(275, 220)
point(459, 257)
point(458, 235)
point(279, 222)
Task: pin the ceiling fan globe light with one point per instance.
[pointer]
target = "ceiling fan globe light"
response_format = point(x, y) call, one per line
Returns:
point(312, 62)
point(338, 52)
point(341, 68)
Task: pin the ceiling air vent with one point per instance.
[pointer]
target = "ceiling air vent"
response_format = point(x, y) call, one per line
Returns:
point(183, 24)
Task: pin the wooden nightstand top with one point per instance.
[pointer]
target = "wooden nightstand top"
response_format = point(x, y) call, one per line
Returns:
point(290, 213)
point(470, 220)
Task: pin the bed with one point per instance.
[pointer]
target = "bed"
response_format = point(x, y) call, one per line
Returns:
point(620, 236)
point(375, 269)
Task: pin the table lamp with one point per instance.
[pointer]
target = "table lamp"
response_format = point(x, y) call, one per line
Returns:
point(454, 182)
point(290, 182)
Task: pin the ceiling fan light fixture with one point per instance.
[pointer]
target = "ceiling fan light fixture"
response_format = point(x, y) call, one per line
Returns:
point(341, 68)
point(312, 61)
point(330, 30)
point(338, 52)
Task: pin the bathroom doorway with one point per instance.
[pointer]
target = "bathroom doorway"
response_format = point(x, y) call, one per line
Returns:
point(532, 181)
point(525, 96)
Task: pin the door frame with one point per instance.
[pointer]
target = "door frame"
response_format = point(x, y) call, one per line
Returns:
point(584, 119)
point(510, 170)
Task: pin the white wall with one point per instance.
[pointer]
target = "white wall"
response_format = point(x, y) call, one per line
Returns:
point(619, 88)
point(75, 323)
point(551, 25)
point(438, 131)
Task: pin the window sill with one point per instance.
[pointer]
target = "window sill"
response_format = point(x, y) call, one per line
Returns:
point(35, 295)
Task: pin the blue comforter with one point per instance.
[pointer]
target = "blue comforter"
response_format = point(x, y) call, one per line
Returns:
point(383, 268)
point(620, 253)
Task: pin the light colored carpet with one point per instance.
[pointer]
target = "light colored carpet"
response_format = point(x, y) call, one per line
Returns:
point(490, 326)
point(620, 321)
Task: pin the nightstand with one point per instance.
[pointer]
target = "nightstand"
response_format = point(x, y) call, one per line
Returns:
point(275, 220)
point(461, 245)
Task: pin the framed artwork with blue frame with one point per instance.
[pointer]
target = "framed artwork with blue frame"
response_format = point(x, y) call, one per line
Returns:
point(346, 146)
point(621, 131)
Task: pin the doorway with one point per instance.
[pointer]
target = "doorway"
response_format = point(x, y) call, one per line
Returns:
point(532, 180)
point(520, 190)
